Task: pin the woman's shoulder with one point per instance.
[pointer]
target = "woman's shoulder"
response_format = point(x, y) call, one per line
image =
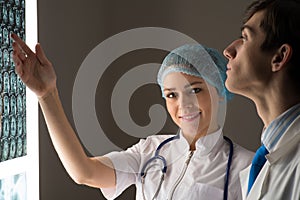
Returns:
point(242, 154)
point(152, 141)
point(242, 151)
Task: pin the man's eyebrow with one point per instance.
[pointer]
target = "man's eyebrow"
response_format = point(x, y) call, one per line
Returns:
point(251, 30)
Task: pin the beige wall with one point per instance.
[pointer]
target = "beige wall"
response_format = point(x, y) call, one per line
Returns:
point(69, 30)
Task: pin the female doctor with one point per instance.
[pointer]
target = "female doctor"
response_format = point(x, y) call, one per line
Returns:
point(196, 163)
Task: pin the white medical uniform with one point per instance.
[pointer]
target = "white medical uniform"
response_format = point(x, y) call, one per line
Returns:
point(202, 178)
point(279, 179)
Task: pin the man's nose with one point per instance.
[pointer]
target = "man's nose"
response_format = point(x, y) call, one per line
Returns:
point(230, 51)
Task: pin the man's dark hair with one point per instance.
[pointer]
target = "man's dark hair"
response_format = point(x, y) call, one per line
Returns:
point(281, 24)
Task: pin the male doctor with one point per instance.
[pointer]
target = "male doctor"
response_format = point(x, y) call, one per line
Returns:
point(264, 65)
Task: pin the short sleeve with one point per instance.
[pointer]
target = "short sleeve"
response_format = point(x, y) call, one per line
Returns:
point(127, 166)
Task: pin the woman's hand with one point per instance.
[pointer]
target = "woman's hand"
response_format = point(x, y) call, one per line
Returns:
point(37, 73)
point(34, 69)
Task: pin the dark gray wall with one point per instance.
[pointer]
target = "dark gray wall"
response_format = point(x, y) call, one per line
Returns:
point(69, 30)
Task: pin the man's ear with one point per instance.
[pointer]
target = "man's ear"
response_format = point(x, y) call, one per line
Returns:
point(281, 57)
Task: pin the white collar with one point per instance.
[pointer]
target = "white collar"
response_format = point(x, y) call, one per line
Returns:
point(278, 127)
point(287, 142)
point(204, 145)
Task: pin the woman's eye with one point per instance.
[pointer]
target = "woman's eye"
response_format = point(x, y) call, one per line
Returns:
point(170, 95)
point(196, 90)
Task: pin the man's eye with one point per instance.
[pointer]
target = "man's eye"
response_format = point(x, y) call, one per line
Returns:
point(196, 90)
point(243, 37)
point(171, 95)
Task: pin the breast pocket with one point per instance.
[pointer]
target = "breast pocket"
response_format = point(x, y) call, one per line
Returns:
point(204, 191)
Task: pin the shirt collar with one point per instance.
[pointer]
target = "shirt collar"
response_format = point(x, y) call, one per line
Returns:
point(272, 134)
point(204, 145)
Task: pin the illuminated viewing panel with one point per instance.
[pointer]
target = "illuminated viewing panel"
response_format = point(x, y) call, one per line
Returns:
point(19, 164)
point(13, 93)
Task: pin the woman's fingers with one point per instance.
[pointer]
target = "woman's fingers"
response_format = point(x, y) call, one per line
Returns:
point(18, 52)
point(23, 46)
point(34, 68)
point(18, 63)
point(41, 55)
point(19, 71)
point(24, 52)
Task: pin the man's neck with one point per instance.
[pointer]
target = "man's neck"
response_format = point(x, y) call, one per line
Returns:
point(272, 104)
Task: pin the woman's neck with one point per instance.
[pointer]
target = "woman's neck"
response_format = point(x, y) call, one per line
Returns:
point(192, 138)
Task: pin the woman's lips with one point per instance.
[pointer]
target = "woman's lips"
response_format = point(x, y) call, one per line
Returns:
point(190, 117)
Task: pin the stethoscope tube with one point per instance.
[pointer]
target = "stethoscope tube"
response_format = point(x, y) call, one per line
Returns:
point(157, 156)
point(225, 194)
point(164, 169)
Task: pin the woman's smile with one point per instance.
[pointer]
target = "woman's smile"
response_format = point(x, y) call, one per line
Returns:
point(190, 117)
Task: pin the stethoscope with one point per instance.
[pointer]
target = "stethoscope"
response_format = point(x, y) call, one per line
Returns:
point(156, 156)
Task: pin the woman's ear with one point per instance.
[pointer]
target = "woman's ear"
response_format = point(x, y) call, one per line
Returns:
point(281, 57)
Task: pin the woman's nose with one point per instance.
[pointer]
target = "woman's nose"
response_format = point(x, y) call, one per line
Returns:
point(186, 101)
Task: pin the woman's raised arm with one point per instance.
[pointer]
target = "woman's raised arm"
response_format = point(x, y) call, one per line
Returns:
point(38, 74)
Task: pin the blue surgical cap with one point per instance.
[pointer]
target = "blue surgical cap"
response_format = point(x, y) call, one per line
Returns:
point(200, 61)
